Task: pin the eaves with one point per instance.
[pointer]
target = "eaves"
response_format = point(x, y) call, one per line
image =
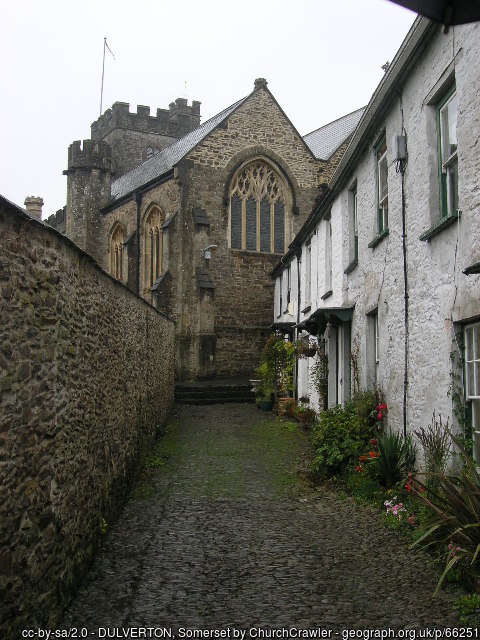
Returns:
point(145, 187)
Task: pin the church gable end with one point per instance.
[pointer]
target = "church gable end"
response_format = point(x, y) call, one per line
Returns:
point(259, 122)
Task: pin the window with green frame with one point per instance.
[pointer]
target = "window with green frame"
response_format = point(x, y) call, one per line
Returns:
point(472, 383)
point(382, 185)
point(447, 111)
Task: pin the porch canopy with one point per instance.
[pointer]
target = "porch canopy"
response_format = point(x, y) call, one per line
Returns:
point(317, 322)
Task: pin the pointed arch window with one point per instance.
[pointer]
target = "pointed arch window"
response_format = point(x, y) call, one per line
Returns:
point(153, 246)
point(117, 250)
point(258, 209)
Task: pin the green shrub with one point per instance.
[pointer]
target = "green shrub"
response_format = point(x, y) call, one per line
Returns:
point(396, 459)
point(338, 437)
point(365, 403)
point(276, 368)
point(436, 444)
point(468, 608)
point(456, 526)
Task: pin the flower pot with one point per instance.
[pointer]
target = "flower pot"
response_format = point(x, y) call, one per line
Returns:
point(305, 418)
point(309, 353)
point(266, 405)
point(283, 406)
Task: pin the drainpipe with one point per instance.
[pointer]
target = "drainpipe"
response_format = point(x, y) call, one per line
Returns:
point(401, 161)
point(405, 314)
point(299, 262)
point(137, 196)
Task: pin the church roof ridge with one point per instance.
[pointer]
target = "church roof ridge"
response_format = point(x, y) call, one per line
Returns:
point(164, 161)
point(325, 140)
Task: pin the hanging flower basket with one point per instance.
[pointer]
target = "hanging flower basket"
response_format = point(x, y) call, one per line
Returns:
point(305, 349)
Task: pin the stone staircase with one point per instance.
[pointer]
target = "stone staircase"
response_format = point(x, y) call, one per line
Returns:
point(218, 391)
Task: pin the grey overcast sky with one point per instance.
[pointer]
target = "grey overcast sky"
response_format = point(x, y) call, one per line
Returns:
point(322, 59)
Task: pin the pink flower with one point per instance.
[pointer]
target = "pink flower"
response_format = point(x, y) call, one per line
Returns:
point(411, 520)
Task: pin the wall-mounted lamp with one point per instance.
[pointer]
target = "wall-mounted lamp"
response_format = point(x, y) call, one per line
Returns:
point(206, 253)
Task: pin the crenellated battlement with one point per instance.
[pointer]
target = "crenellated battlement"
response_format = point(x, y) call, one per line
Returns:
point(90, 155)
point(176, 121)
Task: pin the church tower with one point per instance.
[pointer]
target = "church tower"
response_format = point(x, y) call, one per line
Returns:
point(89, 177)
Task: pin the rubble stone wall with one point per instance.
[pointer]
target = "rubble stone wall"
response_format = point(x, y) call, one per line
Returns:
point(86, 381)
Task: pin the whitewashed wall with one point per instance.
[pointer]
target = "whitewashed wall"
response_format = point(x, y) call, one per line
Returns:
point(440, 295)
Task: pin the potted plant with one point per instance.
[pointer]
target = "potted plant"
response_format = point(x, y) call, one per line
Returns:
point(304, 414)
point(284, 359)
point(290, 407)
point(276, 371)
point(265, 397)
point(305, 348)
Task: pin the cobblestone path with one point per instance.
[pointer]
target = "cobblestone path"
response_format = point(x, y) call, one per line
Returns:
point(220, 534)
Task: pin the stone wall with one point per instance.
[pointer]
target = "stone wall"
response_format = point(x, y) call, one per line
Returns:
point(86, 380)
point(131, 134)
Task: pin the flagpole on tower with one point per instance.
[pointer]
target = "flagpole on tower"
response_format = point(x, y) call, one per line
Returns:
point(103, 74)
point(105, 46)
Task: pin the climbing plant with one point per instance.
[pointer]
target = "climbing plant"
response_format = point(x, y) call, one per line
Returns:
point(456, 392)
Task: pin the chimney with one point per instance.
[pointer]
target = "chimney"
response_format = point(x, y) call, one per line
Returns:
point(34, 206)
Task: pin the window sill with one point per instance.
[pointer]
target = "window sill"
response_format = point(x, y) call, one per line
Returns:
point(440, 226)
point(351, 266)
point(254, 252)
point(378, 238)
point(307, 308)
point(327, 294)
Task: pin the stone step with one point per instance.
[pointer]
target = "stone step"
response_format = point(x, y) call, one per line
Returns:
point(204, 401)
point(213, 392)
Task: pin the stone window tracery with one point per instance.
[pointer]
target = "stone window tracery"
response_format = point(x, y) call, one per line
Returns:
point(117, 252)
point(258, 208)
point(153, 246)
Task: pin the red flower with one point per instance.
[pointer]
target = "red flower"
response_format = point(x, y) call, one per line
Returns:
point(372, 454)
point(379, 415)
point(358, 469)
point(373, 442)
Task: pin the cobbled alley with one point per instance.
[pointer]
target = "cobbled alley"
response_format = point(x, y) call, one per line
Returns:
point(222, 531)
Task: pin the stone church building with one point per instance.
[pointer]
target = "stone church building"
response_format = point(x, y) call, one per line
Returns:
point(193, 217)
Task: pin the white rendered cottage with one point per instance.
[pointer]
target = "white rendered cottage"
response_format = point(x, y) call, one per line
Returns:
point(389, 259)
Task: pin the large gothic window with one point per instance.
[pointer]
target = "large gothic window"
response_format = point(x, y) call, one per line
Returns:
point(153, 246)
point(258, 207)
point(117, 252)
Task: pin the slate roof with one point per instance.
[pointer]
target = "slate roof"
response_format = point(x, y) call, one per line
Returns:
point(323, 142)
point(168, 157)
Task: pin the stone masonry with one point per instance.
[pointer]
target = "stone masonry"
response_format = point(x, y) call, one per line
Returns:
point(134, 137)
point(220, 332)
point(86, 380)
point(224, 534)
